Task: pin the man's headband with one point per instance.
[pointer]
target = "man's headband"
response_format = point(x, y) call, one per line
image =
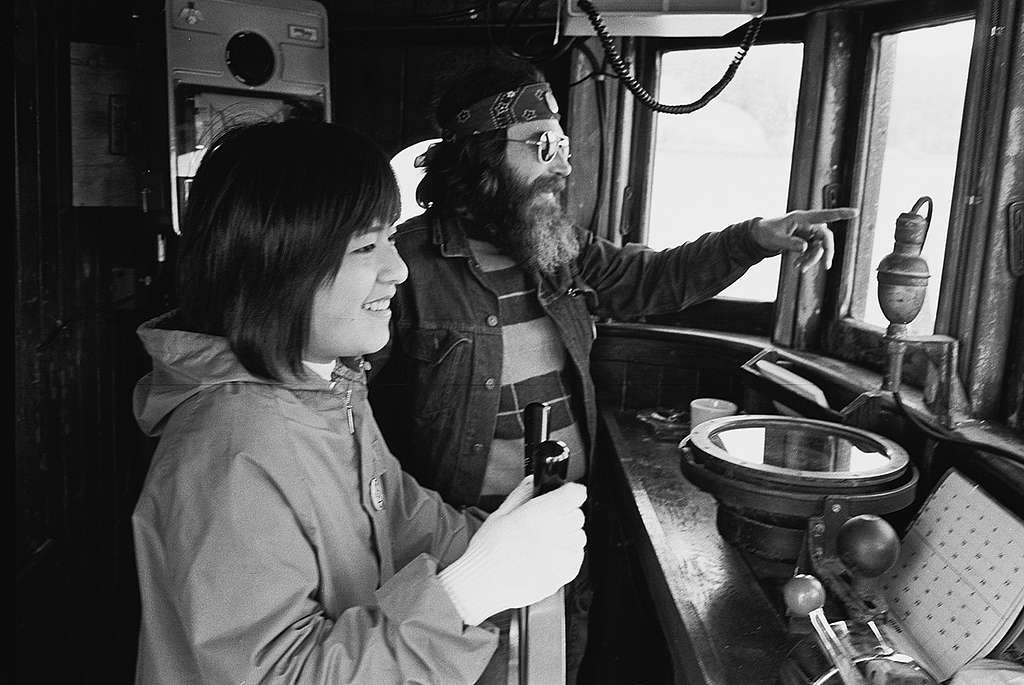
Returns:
point(527, 103)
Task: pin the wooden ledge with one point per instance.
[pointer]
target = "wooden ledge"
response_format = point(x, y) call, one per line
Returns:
point(717, 621)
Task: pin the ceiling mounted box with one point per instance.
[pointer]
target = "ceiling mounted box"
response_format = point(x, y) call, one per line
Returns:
point(668, 18)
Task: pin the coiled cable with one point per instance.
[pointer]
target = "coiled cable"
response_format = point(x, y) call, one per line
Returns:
point(641, 93)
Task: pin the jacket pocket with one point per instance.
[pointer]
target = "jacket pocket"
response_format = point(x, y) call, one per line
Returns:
point(441, 359)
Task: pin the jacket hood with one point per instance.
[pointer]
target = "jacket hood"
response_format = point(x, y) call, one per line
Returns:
point(185, 363)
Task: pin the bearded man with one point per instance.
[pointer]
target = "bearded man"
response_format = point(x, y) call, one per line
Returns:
point(503, 290)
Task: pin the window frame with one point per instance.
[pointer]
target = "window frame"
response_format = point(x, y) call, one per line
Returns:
point(726, 314)
point(970, 283)
point(979, 304)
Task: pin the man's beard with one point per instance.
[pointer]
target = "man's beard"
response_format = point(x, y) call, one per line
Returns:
point(529, 225)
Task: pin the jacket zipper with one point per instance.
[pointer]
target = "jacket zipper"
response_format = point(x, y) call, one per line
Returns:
point(348, 412)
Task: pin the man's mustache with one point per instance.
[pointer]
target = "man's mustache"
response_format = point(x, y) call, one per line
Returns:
point(547, 184)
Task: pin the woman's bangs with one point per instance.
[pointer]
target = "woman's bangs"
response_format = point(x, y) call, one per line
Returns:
point(379, 203)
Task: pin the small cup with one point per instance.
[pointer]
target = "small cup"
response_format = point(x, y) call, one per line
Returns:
point(706, 408)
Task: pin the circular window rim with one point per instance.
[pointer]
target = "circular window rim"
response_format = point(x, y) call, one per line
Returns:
point(700, 440)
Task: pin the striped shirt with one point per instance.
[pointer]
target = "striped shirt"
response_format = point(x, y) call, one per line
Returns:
point(533, 370)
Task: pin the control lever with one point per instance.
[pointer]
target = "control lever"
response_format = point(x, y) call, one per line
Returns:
point(550, 465)
point(868, 547)
point(805, 596)
point(849, 554)
point(535, 431)
point(548, 462)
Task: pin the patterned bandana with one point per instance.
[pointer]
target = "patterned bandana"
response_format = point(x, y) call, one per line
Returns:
point(527, 103)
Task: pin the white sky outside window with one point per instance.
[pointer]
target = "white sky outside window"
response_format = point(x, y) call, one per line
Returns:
point(730, 160)
point(408, 176)
point(925, 112)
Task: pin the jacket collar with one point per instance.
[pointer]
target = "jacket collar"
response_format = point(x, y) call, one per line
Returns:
point(185, 358)
point(186, 362)
point(449, 235)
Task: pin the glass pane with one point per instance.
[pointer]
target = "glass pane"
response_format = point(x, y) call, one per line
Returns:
point(800, 448)
point(929, 81)
point(729, 161)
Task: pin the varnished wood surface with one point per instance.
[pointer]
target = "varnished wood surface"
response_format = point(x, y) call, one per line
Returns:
point(719, 625)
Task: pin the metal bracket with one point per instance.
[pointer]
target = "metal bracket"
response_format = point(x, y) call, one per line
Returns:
point(862, 601)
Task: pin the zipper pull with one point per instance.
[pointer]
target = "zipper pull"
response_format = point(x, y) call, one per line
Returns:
point(348, 412)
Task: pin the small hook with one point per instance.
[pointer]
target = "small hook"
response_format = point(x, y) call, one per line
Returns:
point(917, 206)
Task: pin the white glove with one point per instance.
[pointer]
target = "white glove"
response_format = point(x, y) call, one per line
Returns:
point(523, 552)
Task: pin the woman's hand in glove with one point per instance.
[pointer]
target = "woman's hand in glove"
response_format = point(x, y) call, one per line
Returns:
point(524, 552)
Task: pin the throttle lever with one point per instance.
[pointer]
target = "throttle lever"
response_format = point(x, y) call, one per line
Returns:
point(547, 460)
point(805, 596)
point(550, 461)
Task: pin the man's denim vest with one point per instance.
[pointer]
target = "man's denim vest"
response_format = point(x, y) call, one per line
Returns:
point(435, 387)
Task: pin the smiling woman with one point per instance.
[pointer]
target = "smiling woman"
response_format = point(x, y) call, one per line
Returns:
point(351, 313)
point(275, 533)
point(269, 223)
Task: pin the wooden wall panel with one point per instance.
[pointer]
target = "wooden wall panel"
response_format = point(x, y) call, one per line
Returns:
point(79, 294)
point(634, 373)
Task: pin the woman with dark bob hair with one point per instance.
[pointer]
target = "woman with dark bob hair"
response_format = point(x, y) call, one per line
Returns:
point(277, 538)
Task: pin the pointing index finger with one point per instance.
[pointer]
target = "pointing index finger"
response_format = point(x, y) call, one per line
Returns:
point(828, 215)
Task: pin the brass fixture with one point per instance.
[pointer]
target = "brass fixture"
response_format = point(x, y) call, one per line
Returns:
point(902, 283)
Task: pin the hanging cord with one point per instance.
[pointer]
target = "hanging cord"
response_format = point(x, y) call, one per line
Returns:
point(592, 75)
point(641, 93)
point(470, 13)
point(559, 49)
point(946, 437)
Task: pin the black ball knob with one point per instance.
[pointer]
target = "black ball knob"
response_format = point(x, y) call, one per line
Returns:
point(867, 545)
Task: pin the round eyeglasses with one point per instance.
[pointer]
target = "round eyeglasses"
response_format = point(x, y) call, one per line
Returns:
point(549, 144)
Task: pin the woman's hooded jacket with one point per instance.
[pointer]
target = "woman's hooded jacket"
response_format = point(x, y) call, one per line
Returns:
point(278, 540)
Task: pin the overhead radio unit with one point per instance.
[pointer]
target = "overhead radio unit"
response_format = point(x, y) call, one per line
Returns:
point(666, 18)
point(235, 62)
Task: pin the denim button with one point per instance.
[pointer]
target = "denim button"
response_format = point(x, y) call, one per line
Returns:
point(492, 320)
point(490, 383)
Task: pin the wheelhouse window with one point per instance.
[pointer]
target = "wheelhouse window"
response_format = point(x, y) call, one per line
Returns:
point(918, 104)
point(730, 160)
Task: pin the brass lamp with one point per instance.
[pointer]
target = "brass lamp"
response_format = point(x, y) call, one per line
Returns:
point(902, 284)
